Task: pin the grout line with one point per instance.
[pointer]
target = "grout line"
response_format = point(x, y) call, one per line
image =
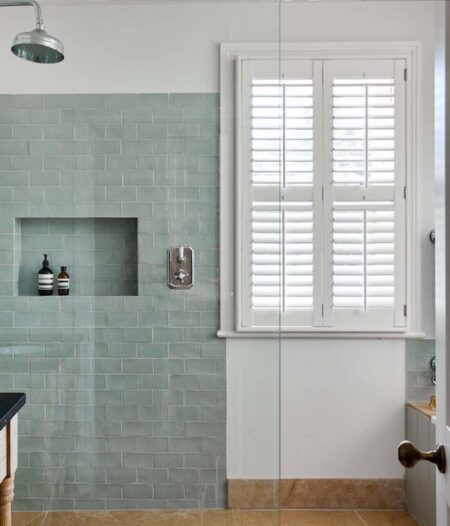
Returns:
point(361, 519)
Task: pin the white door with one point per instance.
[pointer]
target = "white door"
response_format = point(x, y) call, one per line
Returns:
point(442, 141)
point(442, 191)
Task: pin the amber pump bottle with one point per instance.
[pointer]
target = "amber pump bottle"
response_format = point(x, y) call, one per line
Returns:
point(63, 282)
point(45, 279)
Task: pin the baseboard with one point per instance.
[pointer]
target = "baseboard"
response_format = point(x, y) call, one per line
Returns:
point(320, 494)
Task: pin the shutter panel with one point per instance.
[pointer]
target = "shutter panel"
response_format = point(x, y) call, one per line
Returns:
point(282, 256)
point(320, 173)
point(363, 257)
point(276, 191)
point(365, 210)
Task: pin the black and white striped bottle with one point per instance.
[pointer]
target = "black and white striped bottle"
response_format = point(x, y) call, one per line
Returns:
point(45, 279)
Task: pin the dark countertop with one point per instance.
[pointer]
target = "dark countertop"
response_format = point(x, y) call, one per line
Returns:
point(10, 403)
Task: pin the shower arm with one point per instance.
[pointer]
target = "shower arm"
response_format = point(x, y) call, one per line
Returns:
point(20, 3)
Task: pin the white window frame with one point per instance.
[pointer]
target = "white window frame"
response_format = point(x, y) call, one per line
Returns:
point(231, 56)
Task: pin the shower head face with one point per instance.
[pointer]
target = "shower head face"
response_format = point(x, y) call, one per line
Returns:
point(38, 46)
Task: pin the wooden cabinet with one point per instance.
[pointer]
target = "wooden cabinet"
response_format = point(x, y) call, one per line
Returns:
point(421, 479)
point(8, 466)
point(10, 404)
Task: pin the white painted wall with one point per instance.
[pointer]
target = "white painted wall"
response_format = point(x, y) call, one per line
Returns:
point(346, 395)
point(342, 395)
point(135, 48)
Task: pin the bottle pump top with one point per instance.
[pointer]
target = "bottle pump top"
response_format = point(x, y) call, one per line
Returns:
point(45, 263)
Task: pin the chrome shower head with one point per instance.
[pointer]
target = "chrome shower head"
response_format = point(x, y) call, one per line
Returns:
point(37, 45)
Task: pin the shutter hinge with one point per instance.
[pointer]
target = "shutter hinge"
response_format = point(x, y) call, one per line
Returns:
point(323, 310)
point(404, 192)
point(405, 74)
point(405, 311)
point(322, 192)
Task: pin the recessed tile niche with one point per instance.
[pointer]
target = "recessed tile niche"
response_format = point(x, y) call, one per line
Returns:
point(100, 254)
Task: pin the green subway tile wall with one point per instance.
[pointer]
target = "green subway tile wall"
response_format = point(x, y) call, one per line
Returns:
point(419, 386)
point(126, 394)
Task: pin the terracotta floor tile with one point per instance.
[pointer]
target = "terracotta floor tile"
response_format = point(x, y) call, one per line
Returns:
point(217, 518)
point(157, 518)
point(28, 518)
point(257, 518)
point(387, 518)
point(320, 518)
point(175, 518)
point(214, 518)
point(80, 518)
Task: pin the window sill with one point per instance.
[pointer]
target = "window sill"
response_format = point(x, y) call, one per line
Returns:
point(323, 335)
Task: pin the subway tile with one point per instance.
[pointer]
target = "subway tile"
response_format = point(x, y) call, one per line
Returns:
point(69, 147)
point(201, 146)
point(152, 162)
point(91, 131)
point(48, 178)
point(121, 162)
point(137, 147)
point(152, 100)
point(169, 146)
point(209, 100)
point(43, 116)
point(203, 115)
point(13, 147)
point(60, 101)
point(151, 131)
point(131, 115)
point(17, 116)
point(29, 101)
point(6, 101)
point(168, 115)
point(28, 162)
point(184, 100)
point(106, 147)
point(120, 101)
point(90, 116)
point(120, 193)
point(121, 131)
point(27, 132)
point(91, 101)
point(118, 368)
point(6, 162)
point(125, 475)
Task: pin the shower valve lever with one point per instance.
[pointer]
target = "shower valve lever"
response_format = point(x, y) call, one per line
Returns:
point(180, 267)
point(181, 275)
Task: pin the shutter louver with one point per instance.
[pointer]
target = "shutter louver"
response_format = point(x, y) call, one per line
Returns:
point(281, 228)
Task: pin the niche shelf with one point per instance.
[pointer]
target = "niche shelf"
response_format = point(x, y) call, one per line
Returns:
point(100, 254)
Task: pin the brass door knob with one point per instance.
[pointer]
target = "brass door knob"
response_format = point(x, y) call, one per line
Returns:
point(409, 455)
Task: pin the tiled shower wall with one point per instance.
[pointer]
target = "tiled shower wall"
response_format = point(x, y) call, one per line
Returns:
point(419, 387)
point(126, 394)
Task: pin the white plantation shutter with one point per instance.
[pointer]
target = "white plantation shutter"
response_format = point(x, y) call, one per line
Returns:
point(277, 181)
point(364, 255)
point(320, 178)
